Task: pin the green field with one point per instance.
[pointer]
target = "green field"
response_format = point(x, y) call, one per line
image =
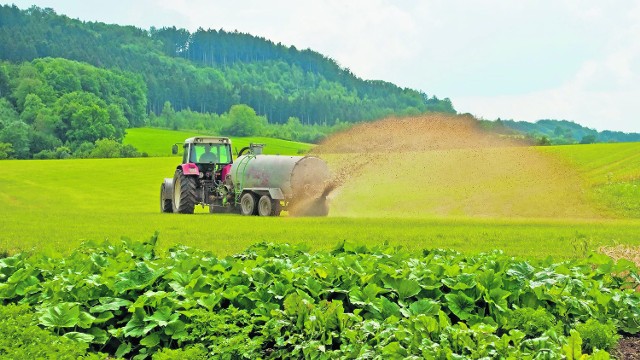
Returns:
point(51, 206)
point(610, 170)
point(157, 142)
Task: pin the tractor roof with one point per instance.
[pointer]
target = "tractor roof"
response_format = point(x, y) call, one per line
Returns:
point(207, 140)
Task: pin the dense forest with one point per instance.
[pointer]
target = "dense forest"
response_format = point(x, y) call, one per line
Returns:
point(57, 108)
point(210, 70)
point(66, 84)
point(72, 88)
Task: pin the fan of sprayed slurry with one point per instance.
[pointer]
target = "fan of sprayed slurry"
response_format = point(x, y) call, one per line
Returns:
point(443, 165)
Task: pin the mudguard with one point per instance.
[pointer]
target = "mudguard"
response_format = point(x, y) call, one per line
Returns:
point(274, 193)
point(189, 169)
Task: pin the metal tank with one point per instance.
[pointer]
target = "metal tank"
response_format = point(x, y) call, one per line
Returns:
point(295, 177)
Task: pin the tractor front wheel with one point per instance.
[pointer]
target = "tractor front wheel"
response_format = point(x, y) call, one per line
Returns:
point(248, 204)
point(165, 204)
point(184, 193)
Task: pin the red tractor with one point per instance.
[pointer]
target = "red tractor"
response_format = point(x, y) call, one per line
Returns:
point(203, 162)
point(255, 184)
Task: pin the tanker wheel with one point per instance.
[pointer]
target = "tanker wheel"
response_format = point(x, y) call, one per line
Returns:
point(184, 193)
point(165, 204)
point(268, 207)
point(248, 204)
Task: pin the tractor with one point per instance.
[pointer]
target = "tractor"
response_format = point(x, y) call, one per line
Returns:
point(253, 184)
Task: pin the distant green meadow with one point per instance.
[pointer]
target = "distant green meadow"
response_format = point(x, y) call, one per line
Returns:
point(51, 206)
point(157, 142)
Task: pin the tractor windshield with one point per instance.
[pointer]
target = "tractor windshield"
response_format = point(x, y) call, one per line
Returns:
point(211, 153)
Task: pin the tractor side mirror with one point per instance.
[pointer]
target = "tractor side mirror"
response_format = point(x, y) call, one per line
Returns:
point(174, 149)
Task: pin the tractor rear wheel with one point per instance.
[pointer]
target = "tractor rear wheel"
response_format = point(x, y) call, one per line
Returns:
point(248, 204)
point(268, 206)
point(184, 193)
point(166, 205)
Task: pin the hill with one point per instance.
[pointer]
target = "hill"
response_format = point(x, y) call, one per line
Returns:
point(559, 132)
point(210, 70)
point(157, 142)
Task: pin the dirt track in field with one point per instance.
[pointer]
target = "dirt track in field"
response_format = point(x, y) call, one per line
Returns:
point(444, 165)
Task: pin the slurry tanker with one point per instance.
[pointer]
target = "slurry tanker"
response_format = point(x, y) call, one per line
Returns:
point(252, 184)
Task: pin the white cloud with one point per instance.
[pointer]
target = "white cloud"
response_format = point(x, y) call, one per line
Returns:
point(584, 99)
point(366, 36)
point(603, 92)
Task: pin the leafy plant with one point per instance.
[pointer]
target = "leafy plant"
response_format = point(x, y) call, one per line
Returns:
point(533, 322)
point(195, 352)
point(596, 335)
point(23, 339)
point(280, 301)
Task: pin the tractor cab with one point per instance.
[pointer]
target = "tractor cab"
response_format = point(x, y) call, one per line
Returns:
point(209, 154)
point(205, 150)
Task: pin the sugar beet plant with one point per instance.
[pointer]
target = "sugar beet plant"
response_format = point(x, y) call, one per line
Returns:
point(279, 301)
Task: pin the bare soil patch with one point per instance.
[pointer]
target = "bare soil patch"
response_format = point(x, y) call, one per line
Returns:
point(628, 349)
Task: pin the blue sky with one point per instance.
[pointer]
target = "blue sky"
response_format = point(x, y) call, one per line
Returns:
point(522, 60)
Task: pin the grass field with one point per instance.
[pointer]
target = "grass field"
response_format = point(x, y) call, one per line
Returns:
point(51, 206)
point(601, 163)
point(157, 142)
point(610, 170)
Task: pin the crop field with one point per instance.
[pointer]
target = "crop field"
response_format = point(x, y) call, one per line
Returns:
point(430, 200)
point(281, 302)
point(434, 247)
point(611, 172)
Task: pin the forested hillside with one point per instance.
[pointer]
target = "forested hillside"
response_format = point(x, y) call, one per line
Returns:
point(558, 132)
point(210, 70)
point(55, 107)
point(71, 88)
point(568, 132)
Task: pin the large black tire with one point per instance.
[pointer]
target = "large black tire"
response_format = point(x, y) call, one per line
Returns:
point(268, 206)
point(184, 193)
point(248, 204)
point(165, 204)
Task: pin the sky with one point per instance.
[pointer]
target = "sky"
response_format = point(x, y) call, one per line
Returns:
point(576, 60)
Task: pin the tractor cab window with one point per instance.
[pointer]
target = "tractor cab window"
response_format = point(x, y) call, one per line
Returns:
point(211, 153)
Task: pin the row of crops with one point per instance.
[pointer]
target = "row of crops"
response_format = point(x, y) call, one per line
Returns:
point(279, 301)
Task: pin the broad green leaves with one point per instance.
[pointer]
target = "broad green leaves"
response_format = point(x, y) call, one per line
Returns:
point(138, 278)
point(63, 315)
point(460, 305)
point(404, 287)
point(282, 302)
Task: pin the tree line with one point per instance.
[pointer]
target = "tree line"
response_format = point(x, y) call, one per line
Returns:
point(58, 108)
point(242, 120)
point(557, 132)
